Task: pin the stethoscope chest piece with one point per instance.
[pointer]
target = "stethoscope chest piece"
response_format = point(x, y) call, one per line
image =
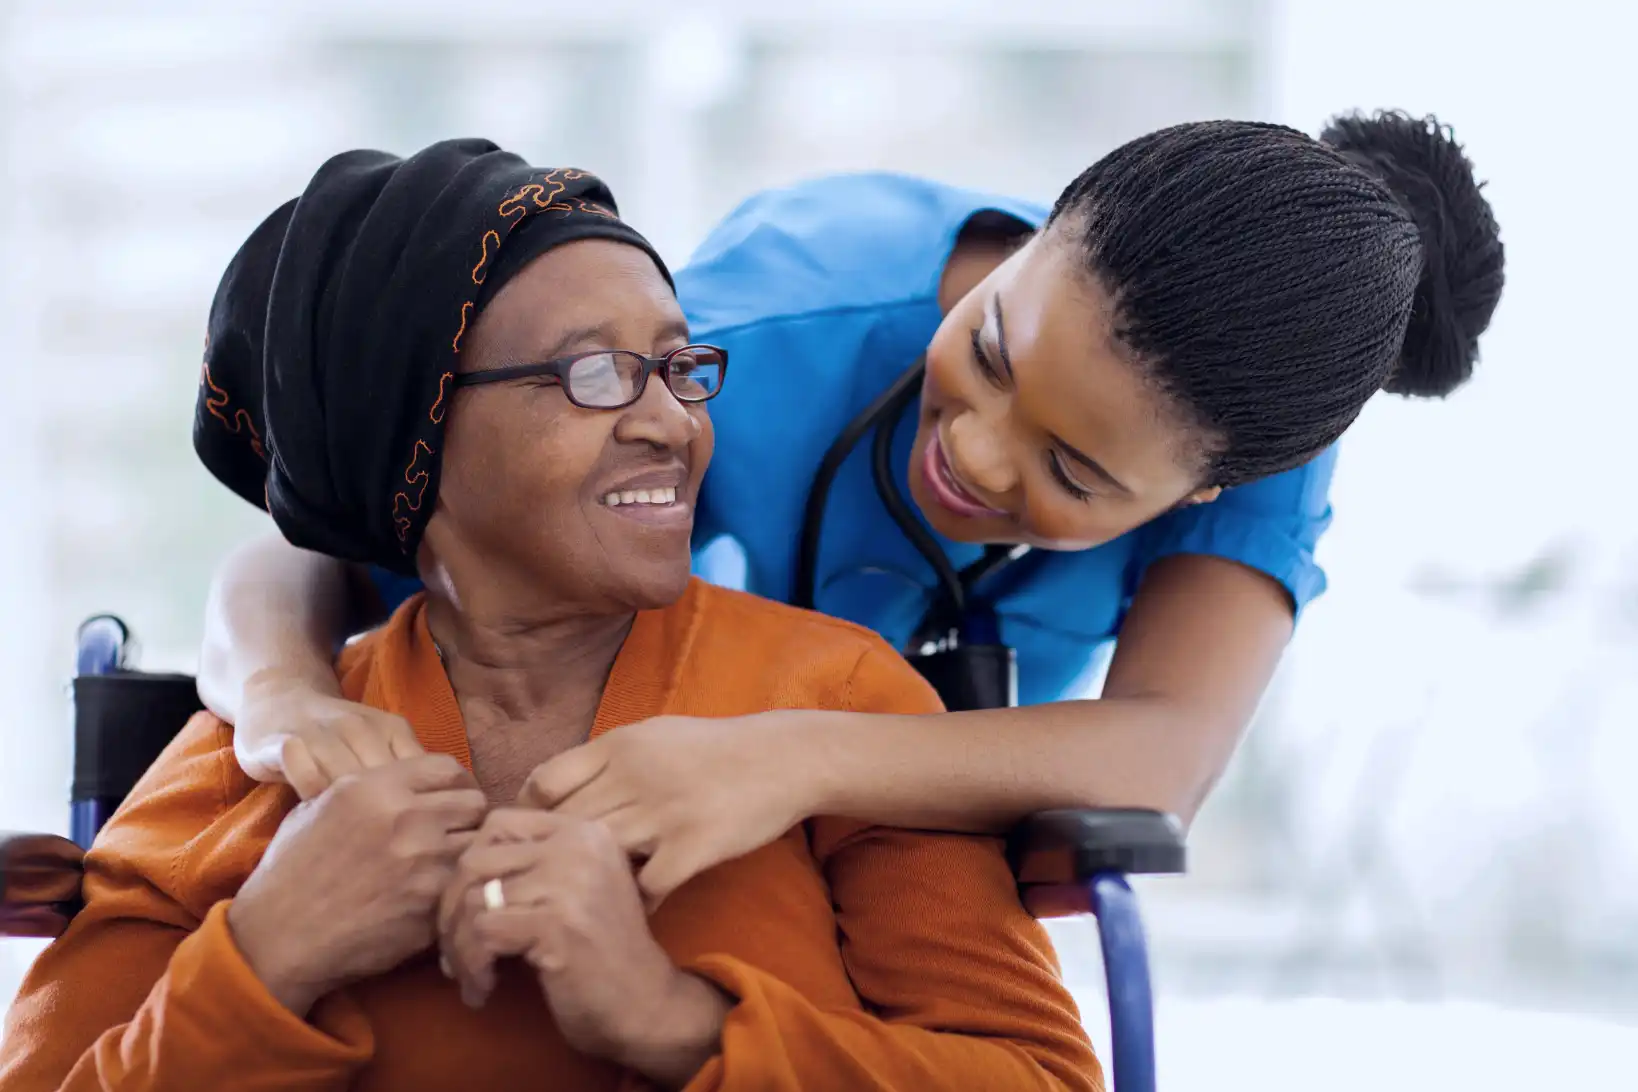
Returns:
point(969, 676)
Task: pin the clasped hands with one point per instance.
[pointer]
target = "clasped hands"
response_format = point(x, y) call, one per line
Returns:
point(387, 862)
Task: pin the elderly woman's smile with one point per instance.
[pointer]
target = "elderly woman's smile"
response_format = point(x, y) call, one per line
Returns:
point(652, 498)
point(658, 498)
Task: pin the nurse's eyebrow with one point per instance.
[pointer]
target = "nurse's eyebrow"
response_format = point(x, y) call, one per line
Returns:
point(1001, 334)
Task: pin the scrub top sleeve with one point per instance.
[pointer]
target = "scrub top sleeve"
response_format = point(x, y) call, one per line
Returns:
point(717, 558)
point(707, 527)
point(392, 588)
point(1271, 525)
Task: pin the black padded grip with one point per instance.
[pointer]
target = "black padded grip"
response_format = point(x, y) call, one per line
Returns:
point(1070, 846)
point(122, 722)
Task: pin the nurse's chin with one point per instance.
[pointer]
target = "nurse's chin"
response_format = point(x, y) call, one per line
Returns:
point(957, 526)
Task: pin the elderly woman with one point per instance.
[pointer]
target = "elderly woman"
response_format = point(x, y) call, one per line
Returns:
point(473, 364)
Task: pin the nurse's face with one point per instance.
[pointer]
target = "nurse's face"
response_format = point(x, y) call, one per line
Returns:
point(1034, 427)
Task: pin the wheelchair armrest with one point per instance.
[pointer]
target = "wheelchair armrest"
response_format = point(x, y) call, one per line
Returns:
point(40, 878)
point(1072, 845)
point(1055, 854)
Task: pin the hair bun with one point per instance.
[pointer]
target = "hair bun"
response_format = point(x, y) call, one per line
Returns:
point(1462, 267)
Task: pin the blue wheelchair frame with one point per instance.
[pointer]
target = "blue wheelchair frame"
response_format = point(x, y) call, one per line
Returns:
point(103, 647)
point(1072, 859)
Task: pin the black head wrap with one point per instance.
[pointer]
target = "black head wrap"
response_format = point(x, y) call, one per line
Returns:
point(337, 327)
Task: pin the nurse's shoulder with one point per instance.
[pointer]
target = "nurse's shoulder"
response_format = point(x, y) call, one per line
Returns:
point(835, 242)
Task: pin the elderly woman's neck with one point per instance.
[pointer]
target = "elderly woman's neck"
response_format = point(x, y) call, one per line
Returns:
point(527, 667)
point(528, 687)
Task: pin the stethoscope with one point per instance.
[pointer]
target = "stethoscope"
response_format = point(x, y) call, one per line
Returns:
point(957, 645)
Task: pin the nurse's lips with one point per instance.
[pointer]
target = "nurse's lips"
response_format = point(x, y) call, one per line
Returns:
point(946, 488)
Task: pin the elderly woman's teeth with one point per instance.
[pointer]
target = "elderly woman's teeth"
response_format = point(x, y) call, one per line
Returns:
point(667, 495)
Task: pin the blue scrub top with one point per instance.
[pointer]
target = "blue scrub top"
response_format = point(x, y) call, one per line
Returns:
point(823, 293)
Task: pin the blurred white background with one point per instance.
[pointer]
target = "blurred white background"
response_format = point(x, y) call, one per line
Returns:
point(1423, 867)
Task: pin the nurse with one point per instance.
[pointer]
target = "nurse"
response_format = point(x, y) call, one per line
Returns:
point(1144, 384)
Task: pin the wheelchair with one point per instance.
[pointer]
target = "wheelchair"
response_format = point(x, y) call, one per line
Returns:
point(1068, 861)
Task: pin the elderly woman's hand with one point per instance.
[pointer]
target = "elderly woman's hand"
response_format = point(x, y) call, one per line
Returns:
point(309, 741)
point(348, 887)
point(559, 893)
point(684, 794)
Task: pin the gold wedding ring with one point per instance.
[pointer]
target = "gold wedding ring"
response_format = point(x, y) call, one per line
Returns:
point(494, 897)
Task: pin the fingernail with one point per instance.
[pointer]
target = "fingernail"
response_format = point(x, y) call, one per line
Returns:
point(443, 965)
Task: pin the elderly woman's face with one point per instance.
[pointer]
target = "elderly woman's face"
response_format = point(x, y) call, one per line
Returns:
point(528, 476)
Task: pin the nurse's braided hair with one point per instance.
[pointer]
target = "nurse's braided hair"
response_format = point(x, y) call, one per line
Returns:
point(1270, 283)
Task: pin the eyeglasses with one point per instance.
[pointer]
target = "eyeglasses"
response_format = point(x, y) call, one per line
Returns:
point(608, 379)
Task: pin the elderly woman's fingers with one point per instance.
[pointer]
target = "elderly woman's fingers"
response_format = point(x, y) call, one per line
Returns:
point(481, 863)
point(455, 809)
point(517, 824)
point(509, 898)
point(557, 779)
point(482, 939)
point(465, 959)
point(508, 843)
point(508, 914)
point(467, 952)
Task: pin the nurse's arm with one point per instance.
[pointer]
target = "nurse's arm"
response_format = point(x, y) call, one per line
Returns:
point(1198, 648)
point(274, 619)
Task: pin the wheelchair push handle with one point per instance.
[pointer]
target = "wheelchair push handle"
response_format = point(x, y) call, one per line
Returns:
point(123, 719)
point(103, 646)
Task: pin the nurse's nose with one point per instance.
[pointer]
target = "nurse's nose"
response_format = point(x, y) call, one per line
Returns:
point(979, 457)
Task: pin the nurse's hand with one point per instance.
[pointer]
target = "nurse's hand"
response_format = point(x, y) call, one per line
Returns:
point(683, 794)
point(309, 741)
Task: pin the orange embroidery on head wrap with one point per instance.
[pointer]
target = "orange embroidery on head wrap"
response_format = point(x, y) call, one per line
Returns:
point(239, 422)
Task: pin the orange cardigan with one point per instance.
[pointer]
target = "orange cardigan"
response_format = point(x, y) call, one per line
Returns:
point(860, 957)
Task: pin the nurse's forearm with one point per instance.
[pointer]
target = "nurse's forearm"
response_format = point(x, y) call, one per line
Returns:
point(983, 771)
point(1197, 650)
point(274, 617)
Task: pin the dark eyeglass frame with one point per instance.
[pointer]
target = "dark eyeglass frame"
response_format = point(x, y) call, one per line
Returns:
point(559, 370)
